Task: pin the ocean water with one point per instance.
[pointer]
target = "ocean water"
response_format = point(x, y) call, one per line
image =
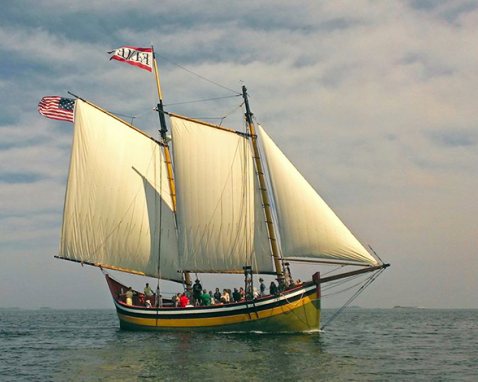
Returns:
point(359, 345)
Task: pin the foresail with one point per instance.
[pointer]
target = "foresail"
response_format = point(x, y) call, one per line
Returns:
point(308, 228)
point(216, 200)
point(116, 202)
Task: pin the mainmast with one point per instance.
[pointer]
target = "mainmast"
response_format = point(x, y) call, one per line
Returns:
point(167, 154)
point(264, 195)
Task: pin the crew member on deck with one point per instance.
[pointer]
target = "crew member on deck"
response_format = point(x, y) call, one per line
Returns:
point(205, 298)
point(225, 297)
point(262, 287)
point(197, 291)
point(175, 299)
point(273, 288)
point(217, 295)
point(183, 301)
point(236, 295)
point(148, 292)
point(129, 296)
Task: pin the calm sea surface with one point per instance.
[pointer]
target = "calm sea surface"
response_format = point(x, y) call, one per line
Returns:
point(359, 345)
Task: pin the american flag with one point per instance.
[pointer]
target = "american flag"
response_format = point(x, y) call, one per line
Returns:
point(56, 107)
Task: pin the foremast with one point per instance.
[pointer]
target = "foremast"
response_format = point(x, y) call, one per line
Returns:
point(167, 153)
point(264, 195)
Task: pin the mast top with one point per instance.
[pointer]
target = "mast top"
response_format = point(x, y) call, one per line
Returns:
point(246, 103)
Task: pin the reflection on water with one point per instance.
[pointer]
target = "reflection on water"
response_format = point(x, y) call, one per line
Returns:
point(235, 356)
point(360, 345)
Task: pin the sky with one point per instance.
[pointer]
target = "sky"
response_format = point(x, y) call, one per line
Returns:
point(374, 102)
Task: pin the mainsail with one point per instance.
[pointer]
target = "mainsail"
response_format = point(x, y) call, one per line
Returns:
point(220, 218)
point(308, 228)
point(118, 199)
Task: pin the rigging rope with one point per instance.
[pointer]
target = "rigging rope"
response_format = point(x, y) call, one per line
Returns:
point(231, 112)
point(221, 119)
point(367, 282)
point(198, 75)
point(333, 270)
point(334, 284)
point(236, 94)
point(201, 100)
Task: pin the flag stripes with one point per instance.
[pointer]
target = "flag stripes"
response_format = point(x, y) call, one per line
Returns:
point(56, 107)
point(140, 57)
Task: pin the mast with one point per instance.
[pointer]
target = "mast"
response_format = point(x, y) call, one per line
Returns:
point(163, 131)
point(167, 154)
point(264, 195)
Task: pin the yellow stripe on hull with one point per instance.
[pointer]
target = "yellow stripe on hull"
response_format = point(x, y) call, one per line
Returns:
point(300, 315)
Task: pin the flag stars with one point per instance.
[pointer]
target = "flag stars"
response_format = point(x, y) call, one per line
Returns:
point(66, 103)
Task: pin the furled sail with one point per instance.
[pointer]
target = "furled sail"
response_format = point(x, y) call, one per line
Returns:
point(308, 227)
point(118, 199)
point(217, 200)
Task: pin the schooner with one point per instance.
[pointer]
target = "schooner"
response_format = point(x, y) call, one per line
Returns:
point(207, 199)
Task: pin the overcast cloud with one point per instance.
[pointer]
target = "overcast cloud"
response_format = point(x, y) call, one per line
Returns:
point(375, 103)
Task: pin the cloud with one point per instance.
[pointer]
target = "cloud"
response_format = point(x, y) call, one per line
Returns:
point(455, 138)
point(375, 102)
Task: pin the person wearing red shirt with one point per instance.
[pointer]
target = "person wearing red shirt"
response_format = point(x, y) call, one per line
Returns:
point(183, 300)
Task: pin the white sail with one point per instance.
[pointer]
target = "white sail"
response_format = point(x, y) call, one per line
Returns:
point(216, 204)
point(308, 227)
point(116, 202)
point(262, 245)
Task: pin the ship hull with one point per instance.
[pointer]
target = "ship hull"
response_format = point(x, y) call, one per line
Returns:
point(295, 310)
